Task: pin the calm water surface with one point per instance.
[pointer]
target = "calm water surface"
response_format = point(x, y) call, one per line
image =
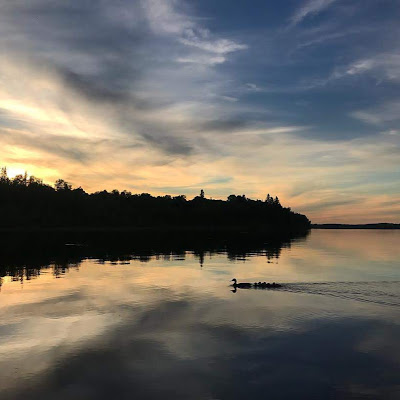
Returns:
point(170, 327)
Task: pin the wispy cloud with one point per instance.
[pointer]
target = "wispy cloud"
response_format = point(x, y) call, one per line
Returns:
point(388, 112)
point(391, 132)
point(202, 40)
point(201, 59)
point(165, 18)
point(383, 66)
point(310, 7)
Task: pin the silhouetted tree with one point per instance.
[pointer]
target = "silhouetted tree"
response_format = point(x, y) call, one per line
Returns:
point(269, 200)
point(20, 180)
point(31, 203)
point(3, 175)
point(62, 185)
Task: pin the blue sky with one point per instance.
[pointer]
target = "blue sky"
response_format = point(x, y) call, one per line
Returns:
point(295, 98)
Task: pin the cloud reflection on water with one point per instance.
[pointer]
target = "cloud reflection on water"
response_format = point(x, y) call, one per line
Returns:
point(173, 329)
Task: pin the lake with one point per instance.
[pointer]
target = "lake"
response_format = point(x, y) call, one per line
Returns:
point(155, 323)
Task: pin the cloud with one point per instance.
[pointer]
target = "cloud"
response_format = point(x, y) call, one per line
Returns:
point(386, 113)
point(180, 337)
point(252, 87)
point(318, 38)
point(383, 66)
point(157, 94)
point(109, 59)
point(310, 7)
point(202, 59)
point(164, 18)
point(219, 46)
point(391, 132)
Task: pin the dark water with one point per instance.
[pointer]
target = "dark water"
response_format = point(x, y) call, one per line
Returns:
point(151, 323)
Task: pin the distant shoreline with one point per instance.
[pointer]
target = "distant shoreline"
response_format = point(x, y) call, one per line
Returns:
point(386, 226)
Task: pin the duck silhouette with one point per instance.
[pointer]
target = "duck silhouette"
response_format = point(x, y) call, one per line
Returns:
point(242, 285)
point(255, 285)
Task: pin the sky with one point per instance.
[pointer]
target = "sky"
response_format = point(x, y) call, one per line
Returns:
point(300, 99)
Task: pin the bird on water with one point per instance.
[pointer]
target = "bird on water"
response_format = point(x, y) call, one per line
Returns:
point(259, 285)
point(243, 285)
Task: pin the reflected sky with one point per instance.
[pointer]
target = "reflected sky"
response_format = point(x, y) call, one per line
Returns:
point(172, 328)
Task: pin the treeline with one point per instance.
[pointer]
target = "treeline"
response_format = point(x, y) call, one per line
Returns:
point(27, 202)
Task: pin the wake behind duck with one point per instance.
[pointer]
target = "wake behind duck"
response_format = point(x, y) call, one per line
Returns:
point(255, 285)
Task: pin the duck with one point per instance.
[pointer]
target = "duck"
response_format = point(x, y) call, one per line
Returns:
point(255, 285)
point(242, 285)
point(272, 285)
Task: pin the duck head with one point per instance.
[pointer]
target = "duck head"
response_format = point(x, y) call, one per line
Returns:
point(234, 280)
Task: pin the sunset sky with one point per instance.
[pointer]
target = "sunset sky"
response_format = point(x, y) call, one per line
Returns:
point(300, 99)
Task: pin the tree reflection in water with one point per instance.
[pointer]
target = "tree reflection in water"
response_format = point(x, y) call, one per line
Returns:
point(24, 256)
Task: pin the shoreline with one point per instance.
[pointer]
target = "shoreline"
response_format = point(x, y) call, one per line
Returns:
point(381, 226)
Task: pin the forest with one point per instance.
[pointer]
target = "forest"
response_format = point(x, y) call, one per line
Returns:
point(28, 203)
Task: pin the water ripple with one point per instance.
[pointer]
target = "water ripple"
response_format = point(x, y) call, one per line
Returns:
point(383, 292)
